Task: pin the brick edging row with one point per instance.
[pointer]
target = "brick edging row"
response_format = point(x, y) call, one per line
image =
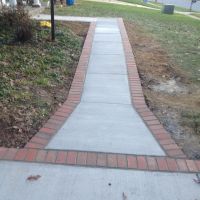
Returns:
point(138, 101)
point(99, 159)
point(51, 127)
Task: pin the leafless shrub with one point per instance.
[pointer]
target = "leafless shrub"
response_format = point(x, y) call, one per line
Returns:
point(17, 21)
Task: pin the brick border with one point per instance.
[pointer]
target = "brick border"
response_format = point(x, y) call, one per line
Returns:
point(99, 159)
point(51, 127)
point(34, 151)
point(138, 101)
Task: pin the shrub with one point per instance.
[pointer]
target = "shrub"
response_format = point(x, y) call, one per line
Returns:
point(17, 22)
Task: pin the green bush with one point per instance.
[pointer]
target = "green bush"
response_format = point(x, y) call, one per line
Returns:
point(16, 23)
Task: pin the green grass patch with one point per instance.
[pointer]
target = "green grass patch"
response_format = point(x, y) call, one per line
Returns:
point(154, 5)
point(42, 62)
point(140, 2)
point(35, 77)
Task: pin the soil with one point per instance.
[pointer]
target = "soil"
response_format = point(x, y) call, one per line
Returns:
point(19, 122)
point(168, 90)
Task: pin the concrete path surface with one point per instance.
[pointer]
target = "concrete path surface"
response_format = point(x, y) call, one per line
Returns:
point(65, 18)
point(105, 120)
point(77, 183)
point(104, 150)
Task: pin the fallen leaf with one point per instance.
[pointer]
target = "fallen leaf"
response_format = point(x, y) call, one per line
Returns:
point(33, 178)
point(15, 127)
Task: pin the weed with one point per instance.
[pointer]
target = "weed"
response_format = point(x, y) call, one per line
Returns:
point(192, 120)
point(42, 82)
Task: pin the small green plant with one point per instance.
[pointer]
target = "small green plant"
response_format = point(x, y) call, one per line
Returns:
point(192, 119)
point(42, 82)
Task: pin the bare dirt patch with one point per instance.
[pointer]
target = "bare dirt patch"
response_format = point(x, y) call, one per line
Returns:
point(168, 90)
point(35, 78)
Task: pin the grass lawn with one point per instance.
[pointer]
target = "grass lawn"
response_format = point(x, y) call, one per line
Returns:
point(141, 2)
point(178, 35)
point(153, 4)
point(35, 77)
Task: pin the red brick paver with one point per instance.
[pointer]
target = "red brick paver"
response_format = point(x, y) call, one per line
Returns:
point(97, 159)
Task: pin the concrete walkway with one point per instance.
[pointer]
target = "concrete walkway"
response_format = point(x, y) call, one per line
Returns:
point(105, 120)
point(59, 182)
point(65, 18)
